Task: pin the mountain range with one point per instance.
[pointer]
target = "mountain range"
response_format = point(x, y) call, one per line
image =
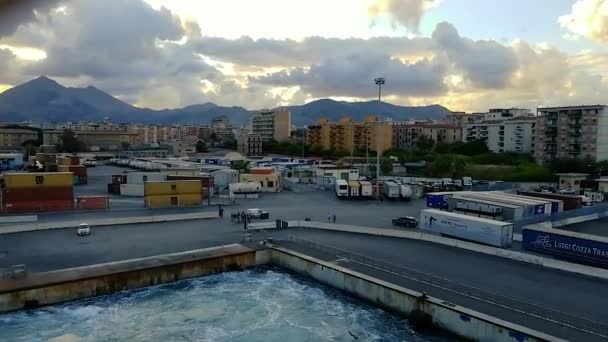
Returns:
point(44, 100)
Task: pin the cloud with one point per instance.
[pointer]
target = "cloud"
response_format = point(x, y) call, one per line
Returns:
point(588, 18)
point(14, 13)
point(486, 63)
point(353, 76)
point(405, 13)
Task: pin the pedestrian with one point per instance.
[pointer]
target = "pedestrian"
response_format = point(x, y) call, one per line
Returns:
point(334, 218)
point(328, 217)
point(238, 217)
point(232, 216)
point(221, 212)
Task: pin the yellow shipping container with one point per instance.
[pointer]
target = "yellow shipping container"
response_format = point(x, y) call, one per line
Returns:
point(64, 161)
point(178, 187)
point(169, 201)
point(63, 168)
point(38, 180)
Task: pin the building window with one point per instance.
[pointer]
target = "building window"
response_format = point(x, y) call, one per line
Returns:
point(174, 200)
point(144, 178)
point(39, 179)
point(173, 187)
point(270, 184)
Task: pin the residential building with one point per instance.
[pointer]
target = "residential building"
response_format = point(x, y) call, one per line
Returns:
point(272, 124)
point(13, 137)
point(462, 118)
point(576, 132)
point(513, 135)
point(221, 126)
point(270, 182)
point(181, 148)
point(249, 144)
point(405, 136)
point(95, 140)
point(347, 135)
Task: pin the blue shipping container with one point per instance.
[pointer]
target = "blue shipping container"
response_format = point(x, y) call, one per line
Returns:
point(438, 200)
point(554, 207)
point(539, 209)
point(576, 249)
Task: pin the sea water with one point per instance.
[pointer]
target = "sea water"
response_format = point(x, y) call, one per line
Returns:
point(263, 304)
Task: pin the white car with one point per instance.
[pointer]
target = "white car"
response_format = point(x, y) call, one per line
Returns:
point(257, 213)
point(83, 229)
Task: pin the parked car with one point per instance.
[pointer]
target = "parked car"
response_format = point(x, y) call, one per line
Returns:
point(258, 213)
point(83, 229)
point(405, 221)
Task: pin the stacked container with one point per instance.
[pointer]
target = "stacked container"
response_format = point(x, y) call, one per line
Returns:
point(167, 194)
point(206, 183)
point(79, 171)
point(114, 187)
point(37, 192)
point(133, 185)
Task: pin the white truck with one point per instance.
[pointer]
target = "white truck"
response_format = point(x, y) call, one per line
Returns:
point(341, 187)
point(245, 188)
point(391, 190)
point(366, 189)
point(477, 229)
point(405, 192)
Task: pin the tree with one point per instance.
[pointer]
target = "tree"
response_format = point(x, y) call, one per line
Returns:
point(470, 148)
point(213, 137)
point(125, 145)
point(240, 165)
point(30, 147)
point(201, 147)
point(386, 166)
point(424, 143)
point(69, 143)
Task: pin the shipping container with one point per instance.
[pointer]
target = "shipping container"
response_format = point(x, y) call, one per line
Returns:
point(530, 209)
point(38, 206)
point(64, 161)
point(577, 247)
point(207, 181)
point(485, 208)
point(366, 189)
point(51, 168)
point(114, 189)
point(542, 206)
point(38, 180)
point(557, 206)
point(119, 179)
point(141, 177)
point(80, 180)
point(172, 187)
point(570, 201)
point(486, 231)
point(261, 171)
point(27, 195)
point(354, 189)
point(169, 201)
point(405, 192)
point(245, 188)
point(74, 160)
point(135, 190)
point(93, 202)
point(390, 190)
point(78, 170)
point(438, 200)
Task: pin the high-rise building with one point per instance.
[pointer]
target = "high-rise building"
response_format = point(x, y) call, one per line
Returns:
point(407, 134)
point(272, 124)
point(462, 118)
point(249, 144)
point(576, 132)
point(221, 126)
point(513, 135)
point(12, 138)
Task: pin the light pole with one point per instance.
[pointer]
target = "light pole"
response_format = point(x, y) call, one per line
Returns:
point(379, 81)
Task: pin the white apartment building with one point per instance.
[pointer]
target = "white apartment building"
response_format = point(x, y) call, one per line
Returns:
point(513, 135)
point(461, 118)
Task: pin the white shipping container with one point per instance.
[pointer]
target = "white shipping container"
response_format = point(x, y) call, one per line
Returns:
point(405, 191)
point(366, 189)
point(486, 231)
point(390, 189)
point(141, 177)
point(245, 188)
point(135, 190)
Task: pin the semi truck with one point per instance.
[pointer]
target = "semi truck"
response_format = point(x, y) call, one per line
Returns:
point(476, 229)
point(341, 188)
point(438, 200)
point(390, 190)
point(405, 192)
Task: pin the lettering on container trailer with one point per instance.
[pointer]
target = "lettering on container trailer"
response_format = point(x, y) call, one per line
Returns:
point(584, 250)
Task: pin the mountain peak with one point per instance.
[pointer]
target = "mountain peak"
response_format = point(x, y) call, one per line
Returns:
point(42, 82)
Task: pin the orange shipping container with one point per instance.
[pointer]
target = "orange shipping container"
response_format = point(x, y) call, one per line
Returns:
point(93, 202)
point(38, 206)
point(261, 171)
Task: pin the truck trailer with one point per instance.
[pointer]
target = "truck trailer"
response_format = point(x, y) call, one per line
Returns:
point(354, 189)
point(390, 190)
point(476, 229)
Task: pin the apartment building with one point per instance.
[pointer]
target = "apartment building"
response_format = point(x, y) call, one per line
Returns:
point(462, 118)
point(347, 134)
point(272, 124)
point(249, 144)
point(221, 126)
point(105, 139)
point(513, 135)
point(12, 138)
point(405, 135)
point(575, 132)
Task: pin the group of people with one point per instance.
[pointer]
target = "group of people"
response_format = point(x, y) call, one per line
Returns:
point(331, 218)
point(239, 217)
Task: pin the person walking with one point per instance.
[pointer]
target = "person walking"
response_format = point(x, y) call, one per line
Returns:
point(334, 217)
point(328, 217)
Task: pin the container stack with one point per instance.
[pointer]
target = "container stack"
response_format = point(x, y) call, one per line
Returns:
point(168, 194)
point(93, 202)
point(134, 183)
point(48, 160)
point(79, 171)
point(206, 183)
point(37, 192)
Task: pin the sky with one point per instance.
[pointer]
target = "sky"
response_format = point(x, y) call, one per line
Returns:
point(467, 55)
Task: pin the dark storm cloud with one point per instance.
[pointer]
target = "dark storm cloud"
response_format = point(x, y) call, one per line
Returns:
point(353, 75)
point(17, 12)
point(486, 63)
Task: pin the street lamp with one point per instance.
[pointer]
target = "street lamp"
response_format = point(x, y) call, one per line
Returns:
point(379, 81)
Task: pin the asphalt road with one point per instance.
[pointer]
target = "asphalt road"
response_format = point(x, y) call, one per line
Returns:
point(595, 227)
